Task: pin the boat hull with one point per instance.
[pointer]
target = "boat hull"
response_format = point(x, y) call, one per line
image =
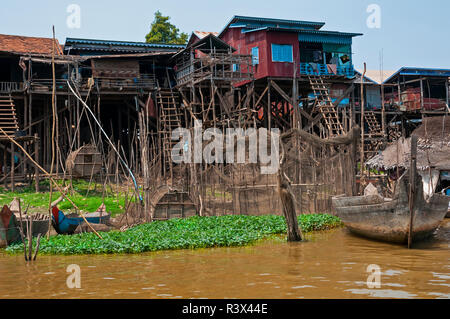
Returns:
point(67, 224)
point(388, 220)
point(39, 227)
point(9, 230)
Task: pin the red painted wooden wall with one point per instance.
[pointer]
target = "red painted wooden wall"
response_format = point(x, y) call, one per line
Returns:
point(244, 42)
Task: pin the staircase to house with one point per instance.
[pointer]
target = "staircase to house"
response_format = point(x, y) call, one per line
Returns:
point(325, 105)
point(372, 122)
point(170, 119)
point(8, 119)
point(375, 131)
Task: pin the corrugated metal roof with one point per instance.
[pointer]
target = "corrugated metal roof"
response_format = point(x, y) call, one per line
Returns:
point(315, 24)
point(28, 45)
point(419, 72)
point(202, 34)
point(375, 75)
point(122, 43)
point(65, 59)
point(270, 22)
point(318, 36)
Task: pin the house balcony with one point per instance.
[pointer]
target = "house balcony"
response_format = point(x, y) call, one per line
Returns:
point(215, 66)
point(327, 70)
point(146, 82)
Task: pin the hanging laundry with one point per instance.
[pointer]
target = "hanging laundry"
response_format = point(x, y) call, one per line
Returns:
point(332, 68)
point(334, 60)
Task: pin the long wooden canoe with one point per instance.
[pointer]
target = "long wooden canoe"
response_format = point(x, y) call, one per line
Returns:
point(388, 219)
point(66, 224)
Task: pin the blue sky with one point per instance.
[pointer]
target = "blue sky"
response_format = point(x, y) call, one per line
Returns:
point(412, 33)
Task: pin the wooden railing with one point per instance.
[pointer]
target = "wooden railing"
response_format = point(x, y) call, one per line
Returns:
point(145, 82)
point(10, 87)
point(322, 69)
point(216, 66)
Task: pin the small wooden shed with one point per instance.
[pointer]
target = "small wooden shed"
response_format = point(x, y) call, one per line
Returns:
point(84, 162)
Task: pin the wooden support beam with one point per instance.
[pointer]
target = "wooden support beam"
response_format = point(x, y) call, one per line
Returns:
point(315, 121)
point(421, 98)
point(4, 166)
point(261, 96)
point(12, 167)
point(269, 107)
point(226, 106)
point(362, 178)
point(287, 98)
point(447, 93)
point(383, 112)
point(343, 96)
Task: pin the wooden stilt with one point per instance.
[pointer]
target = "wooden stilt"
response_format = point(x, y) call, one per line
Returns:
point(412, 188)
point(4, 165)
point(12, 168)
point(36, 156)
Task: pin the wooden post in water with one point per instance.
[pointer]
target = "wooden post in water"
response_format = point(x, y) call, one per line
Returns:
point(412, 187)
point(288, 205)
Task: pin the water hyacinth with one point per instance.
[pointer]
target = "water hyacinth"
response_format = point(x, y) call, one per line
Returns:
point(189, 233)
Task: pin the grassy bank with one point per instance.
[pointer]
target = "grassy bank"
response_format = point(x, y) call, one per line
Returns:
point(113, 199)
point(194, 232)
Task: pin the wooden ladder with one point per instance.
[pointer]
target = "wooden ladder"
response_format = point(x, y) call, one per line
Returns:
point(372, 148)
point(372, 122)
point(325, 105)
point(8, 119)
point(170, 119)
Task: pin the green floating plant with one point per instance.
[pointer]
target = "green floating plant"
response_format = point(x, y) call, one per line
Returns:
point(188, 233)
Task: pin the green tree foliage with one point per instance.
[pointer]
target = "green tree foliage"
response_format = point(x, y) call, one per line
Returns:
point(162, 31)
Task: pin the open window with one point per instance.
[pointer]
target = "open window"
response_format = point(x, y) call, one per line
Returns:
point(311, 52)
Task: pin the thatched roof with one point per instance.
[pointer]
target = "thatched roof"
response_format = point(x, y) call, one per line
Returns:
point(433, 148)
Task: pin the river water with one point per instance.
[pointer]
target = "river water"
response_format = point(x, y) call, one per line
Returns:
point(330, 264)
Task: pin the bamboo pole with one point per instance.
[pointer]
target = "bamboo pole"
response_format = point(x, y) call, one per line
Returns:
point(53, 133)
point(36, 155)
point(21, 232)
point(30, 235)
point(12, 167)
point(52, 180)
point(412, 187)
point(361, 178)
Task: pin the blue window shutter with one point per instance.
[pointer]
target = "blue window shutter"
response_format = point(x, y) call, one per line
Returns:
point(275, 52)
point(282, 53)
point(255, 55)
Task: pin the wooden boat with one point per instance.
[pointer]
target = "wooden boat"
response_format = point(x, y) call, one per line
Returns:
point(66, 224)
point(9, 227)
point(388, 219)
point(40, 224)
point(40, 221)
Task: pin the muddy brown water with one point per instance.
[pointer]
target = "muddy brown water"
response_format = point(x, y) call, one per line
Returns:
point(330, 264)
